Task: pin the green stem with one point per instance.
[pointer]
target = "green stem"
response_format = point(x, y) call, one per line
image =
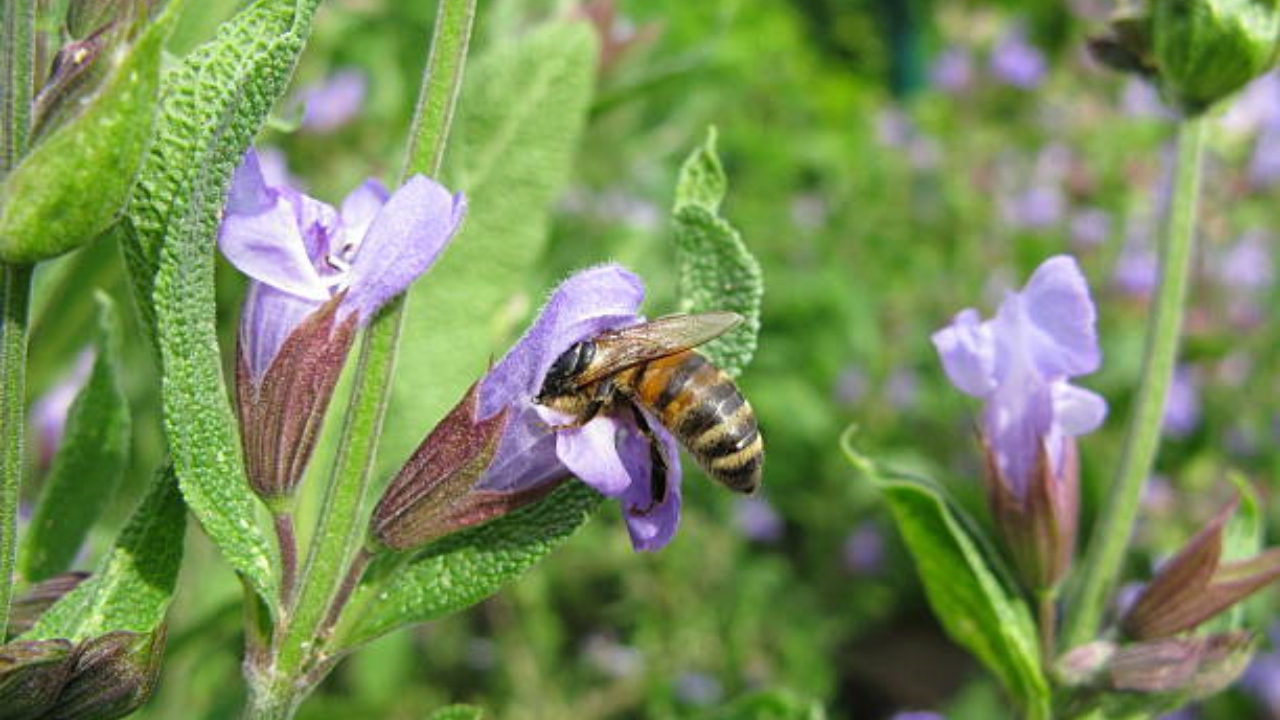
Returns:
point(340, 529)
point(17, 57)
point(1115, 525)
point(15, 297)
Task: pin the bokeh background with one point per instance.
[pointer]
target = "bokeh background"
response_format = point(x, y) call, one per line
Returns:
point(890, 162)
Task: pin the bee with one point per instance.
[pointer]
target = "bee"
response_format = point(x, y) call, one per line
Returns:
point(652, 366)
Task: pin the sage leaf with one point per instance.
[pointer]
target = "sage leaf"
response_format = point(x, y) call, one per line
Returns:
point(90, 461)
point(214, 104)
point(464, 568)
point(970, 596)
point(519, 120)
point(73, 183)
point(717, 272)
point(457, 712)
point(132, 586)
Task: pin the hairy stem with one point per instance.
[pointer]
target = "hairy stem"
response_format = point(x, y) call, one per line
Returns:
point(1112, 531)
point(17, 72)
point(15, 296)
point(332, 559)
point(287, 541)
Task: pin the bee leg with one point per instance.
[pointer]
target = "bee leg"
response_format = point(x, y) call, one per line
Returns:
point(657, 465)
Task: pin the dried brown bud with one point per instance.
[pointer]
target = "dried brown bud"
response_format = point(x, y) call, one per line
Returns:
point(113, 675)
point(1196, 666)
point(1196, 585)
point(1039, 528)
point(281, 413)
point(433, 495)
point(30, 605)
point(32, 673)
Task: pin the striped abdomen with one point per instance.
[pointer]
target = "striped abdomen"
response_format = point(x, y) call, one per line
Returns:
point(702, 407)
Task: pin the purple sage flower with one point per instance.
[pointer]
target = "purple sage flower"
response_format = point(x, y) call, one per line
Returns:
point(1182, 403)
point(758, 520)
point(609, 453)
point(316, 274)
point(1264, 166)
point(1020, 363)
point(334, 102)
point(697, 688)
point(1036, 208)
point(952, 70)
point(1016, 62)
point(1090, 227)
point(48, 416)
point(863, 549)
point(1262, 679)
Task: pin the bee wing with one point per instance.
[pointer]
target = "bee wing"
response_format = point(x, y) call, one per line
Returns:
point(619, 349)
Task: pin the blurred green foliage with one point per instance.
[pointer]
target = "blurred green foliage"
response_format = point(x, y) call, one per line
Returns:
point(879, 203)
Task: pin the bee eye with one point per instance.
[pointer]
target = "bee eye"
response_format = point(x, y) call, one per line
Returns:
point(571, 361)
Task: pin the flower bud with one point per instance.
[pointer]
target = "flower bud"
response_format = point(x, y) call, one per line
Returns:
point(1196, 585)
point(281, 413)
point(114, 674)
point(30, 605)
point(1208, 49)
point(32, 673)
point(434, 495)
point(1084, 665)
point(1196, 51)
point(1195, 666)
point(1038, 527)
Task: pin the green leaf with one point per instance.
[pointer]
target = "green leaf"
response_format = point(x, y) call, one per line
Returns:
point(519, 120)
point(717, 272)
point(214, 104)
point(132, 587)
point(1241, 540)
point(90, 461)
point(976, 608)
point(465, 568)
point(68, 190)
point(458, 712)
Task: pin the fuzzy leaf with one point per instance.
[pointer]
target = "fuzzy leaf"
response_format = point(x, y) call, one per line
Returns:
point(520, 116)
point(68, 190)
point(717, 272)
point(977, 610)
point(465, 568)
point(90, 461)
point(215, 102)
point(131, 589)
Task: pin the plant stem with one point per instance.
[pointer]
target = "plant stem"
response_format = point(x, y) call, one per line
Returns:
point(1112, 531)
point(340, 529)
point(17, 57)
point(15, 296)
point(1048, 619)
point(288, 544)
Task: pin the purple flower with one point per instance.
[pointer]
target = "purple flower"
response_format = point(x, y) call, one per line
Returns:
point(1246, 265)
point(1256, 108)
point(1037, 208)
point(301, 253)
point(334, 102)
point(852, 385)
point(1016, 62)
point(1182, 404)
point(696, 688)
point(863, 549)
point(49, 413)
point(1140, 99)
point(1264, 167)
point(1019, 363)
point(1262, 679)
point(609, 453)
point(757, 519)
point(952, 70)
point(316, 273)
point(1090, 227)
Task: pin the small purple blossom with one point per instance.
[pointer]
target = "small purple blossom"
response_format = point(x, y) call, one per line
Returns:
point(1256, 108)
point(1264, 166)
point(612, 658)
point(1262, 679)
point(758, 520)
point(1016, 62)
point(300, 252)
point(334, 102)
point(609, 453)
point(1182, 403)
point(48, 416)
point(1140, 99)
point(863, 549)
point(902, 389)
point(852, 385)
point(952, 70)
point(1090, 227)
point(1247, 264)
point(1020, 361)
point(1036, 208)
point(697, 688)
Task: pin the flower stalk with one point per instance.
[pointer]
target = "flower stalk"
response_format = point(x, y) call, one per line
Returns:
point(335, 558)
point(17, 64)
point(15, 297)
point(1114, 527)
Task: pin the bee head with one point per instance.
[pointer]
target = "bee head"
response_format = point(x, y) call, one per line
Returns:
point(564, 371)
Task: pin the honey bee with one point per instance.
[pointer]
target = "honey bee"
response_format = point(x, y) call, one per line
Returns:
point(653, 366)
